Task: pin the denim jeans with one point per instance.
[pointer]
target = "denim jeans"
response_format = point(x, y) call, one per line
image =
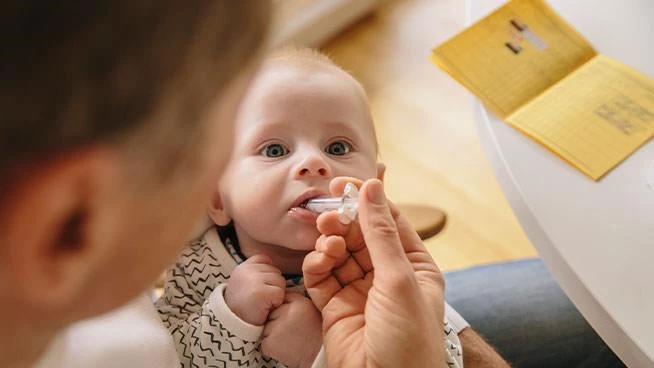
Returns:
point(521, 311)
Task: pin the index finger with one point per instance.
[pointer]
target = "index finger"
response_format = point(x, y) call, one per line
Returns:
point(329, 224)
point(337, 185)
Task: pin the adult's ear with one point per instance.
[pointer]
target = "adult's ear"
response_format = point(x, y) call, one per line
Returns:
point(53, 226)
point(381, 171)
point(217, 211)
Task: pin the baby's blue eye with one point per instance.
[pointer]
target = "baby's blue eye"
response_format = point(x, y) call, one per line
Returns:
point(338, 148)
point(274, 150)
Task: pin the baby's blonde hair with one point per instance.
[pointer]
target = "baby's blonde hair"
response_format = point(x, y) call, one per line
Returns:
point(311, 58)
point(307, 57)
point(302, 55)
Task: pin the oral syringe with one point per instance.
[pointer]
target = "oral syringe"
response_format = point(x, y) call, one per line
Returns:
point(347, 205)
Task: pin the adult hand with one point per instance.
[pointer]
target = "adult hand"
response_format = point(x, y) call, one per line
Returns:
point(379, 291)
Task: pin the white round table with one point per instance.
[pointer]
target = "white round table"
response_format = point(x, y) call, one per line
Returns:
point(597, 238)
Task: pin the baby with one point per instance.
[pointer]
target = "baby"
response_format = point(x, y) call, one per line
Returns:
point(235, 296)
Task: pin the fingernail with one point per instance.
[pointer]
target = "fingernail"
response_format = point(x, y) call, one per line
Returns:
point(376, 192)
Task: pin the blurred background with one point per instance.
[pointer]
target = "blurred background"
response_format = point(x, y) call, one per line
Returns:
point(425, 120)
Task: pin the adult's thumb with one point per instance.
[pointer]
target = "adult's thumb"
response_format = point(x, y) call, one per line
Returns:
point(379, 229)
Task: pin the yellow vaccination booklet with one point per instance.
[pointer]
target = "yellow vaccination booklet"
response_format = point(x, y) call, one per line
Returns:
point(538, 74)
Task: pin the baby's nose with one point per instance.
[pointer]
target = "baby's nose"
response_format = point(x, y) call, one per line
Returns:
point(313, 166)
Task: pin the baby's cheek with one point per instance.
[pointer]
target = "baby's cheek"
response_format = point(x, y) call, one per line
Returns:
point(305, 239)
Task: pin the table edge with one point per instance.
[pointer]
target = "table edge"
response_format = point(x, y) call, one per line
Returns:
point(619, 341)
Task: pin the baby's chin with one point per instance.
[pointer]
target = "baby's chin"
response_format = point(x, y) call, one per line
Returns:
point(305, 240)
point(302, 246)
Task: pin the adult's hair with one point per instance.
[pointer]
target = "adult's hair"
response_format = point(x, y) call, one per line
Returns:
point(75, 73)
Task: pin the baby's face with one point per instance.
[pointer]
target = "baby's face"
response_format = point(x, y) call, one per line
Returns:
point(298, 128)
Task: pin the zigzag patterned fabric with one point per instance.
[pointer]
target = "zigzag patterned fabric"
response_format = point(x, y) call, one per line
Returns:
point(186, 309)
point(205, 331)
point(453, 353)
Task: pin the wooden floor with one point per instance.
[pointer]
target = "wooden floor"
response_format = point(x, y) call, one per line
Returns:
point(427, 132)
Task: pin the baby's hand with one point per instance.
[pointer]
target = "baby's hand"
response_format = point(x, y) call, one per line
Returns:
point(254, 289)
point(293, 333)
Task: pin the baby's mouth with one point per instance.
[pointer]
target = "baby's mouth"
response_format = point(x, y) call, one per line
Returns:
point(303, 199)
point(303, 205)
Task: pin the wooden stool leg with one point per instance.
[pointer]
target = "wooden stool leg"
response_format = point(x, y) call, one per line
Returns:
point(427, 220)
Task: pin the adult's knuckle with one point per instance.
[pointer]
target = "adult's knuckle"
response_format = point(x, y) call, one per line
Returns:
point(382, 225)
point(402, 282)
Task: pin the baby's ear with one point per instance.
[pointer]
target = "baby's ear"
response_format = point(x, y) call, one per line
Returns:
point(381, 170)
point(217, 211)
